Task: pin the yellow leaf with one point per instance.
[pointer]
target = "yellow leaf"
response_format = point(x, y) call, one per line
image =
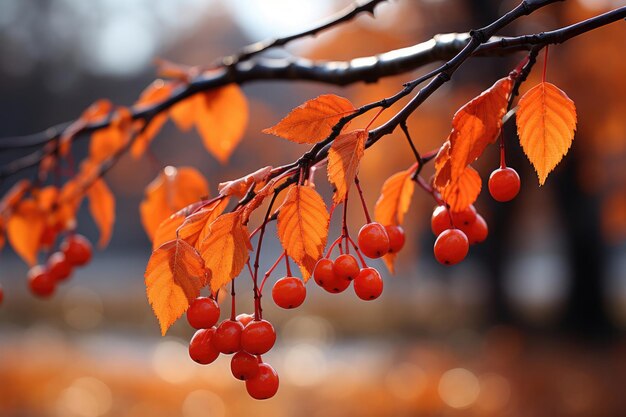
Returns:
point(226, 249)
point(303, 227)
point(174, 276)
point(314, 120)
point(102, 209)
point(24, 229)
point(395, 198)
point(546, 121)
point(171, 191)
point(343, 161)
point(221, 120)
point(464, 191)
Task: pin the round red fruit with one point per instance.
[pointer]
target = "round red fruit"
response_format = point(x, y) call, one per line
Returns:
point(244, 318)
point(368, 285)
point(396, 238)
point(201, 348)
point(451, 247)
point(440, 220)
point(346, 267)
point(476, 232)
point(464, 217)
point(504, 184)
point(244, 365)
point(77, 250)
point(203, 313)
point(373, 240)
point(40, 282)
point(336, 285)
point(258, 337)
point(289, 292)
point(58, 266)
point(323, 272)
point(264, 385)
point(227, 338)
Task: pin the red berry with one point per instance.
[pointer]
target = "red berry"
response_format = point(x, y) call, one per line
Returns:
point(244, 365)
point(373, 240)
point(477, 231)
point(336, 285)
point(369, 284)
point(227, 338)
point(40, 282)
point(244, 318)
point(323, 271)
point(58, 266)
point(203, 313)
point(346, 267)
point(201, 347)
point(464, 217)
point(396, 238)
point(258, 337)
point(264, 385)
point(451, 247)
point(504, 184)
point(77, 250)
point(48, 236)
point(440, 220)
point(289, 292)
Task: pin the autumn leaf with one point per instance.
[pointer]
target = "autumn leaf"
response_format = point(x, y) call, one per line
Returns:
point(174, 276)
point(546, 121)
point(303, 227)
point(343, 161)
point(197, 225)
point(157, 92)
point(107, 141)
point(94, 113)
point(225, 249)
point(24, 229)
point(395, 198)
point(168, 227)
point(14, 194)
point(314, 120)
point(240, 186)
point(184, 112)
point(463, 192)
point(171, 191)
point(144, 138)
point(102, 209)
point(221, 120)
point(70, 199)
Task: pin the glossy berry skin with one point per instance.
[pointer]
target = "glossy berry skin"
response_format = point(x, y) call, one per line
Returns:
point(289, 292)
point(203, 313)
point(373, 240)
point(264, 385)
point(244, 365)
point(258, 337)
point(244, 318)
point(323, 272)
point(477, 231)
point(504, 184)
point(464, 217)
point(40, 282)
point(368, 285)
point(440, 220)
point(201, 348)
point(58, 267)
point(227, 338)
point(336, 285)
point(77, 250)
point(396, 238)
point(451, 247)
point(346, 267)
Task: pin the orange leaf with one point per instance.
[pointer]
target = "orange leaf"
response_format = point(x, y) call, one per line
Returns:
point(240, 186)
point(157, 92)
point(171, 191)
point(343, 161)
point(463, 192)
point(442, 166)
point(102, 209)
point(546, 121)
point(303, 227)
point(168, 227)
point(395, 198)
point(108, 141)
point(314, 120)
point(184, 112)
point(221, 120)
point(197, 226)
point(24, 229)
point(70, 198)
point(14, 195)
point(94, 113)
point(174, 276)
point(226, 249)
point(143, 139)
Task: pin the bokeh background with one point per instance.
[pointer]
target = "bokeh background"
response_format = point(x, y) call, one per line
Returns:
point(532, 324)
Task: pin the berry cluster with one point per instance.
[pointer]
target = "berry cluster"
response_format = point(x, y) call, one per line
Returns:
point(245, 337)
point(374, 241)
point(74, 251)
